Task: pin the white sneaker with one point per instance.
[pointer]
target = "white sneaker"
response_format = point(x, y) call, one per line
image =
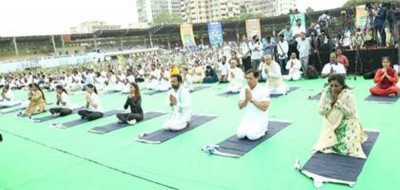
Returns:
point(132, 122)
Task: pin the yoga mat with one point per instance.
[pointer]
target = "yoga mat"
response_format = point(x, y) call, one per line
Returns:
point(155, 92)
point(198, 88)
point(14, 109)
point(316, 97)
point(336, 168)
point(118, 125)
point(51, 117)
point(382, 99)
point(76, 122)
point(227, 94)
point(291, 89)
point(235, 147)
point(163, 135)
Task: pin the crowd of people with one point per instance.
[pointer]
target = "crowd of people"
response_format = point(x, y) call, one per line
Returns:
point(208, 66)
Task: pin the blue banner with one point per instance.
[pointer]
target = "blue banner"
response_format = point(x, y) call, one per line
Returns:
point(215, 33)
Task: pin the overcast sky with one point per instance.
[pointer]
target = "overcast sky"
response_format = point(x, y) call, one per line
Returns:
point(39, 17)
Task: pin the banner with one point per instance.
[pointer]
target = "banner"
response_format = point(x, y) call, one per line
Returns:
point(187, 35)
point(294, 17)
point(253, 27)
point(361, 17)
point(215, 34)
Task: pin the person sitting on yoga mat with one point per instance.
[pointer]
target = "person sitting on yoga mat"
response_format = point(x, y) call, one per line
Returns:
point(254, 98)
point(7, 98)
point(179, 101)
point(293, 66)
point(235, 77)
point(187, 79)
point(342, 132)
point(63, 101)
point(37, 101)
point(223, 70)
point(93, 108)
point(134, 101)
point(198, 72)
point(333, 67)
point(210, 75)
point(271, 71)
point(385, 80)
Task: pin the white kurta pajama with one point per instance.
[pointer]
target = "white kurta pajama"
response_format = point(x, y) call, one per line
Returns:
point(275, 83)
point(8, 103)
point(235, 80)
point(255, 122)
point(154, 80)
point(294, 70)
point(180, 113)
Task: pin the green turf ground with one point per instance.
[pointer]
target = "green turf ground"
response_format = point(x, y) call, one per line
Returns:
point(33, 156)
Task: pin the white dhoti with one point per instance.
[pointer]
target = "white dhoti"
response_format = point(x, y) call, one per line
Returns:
point(292, 76)
point(252, 127)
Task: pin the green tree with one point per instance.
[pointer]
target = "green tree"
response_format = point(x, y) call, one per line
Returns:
point(166, 17)
point(309, 10)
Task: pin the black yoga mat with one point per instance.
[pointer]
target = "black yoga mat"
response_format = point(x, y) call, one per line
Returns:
point(338, 168)
point(76, 122)
point(227, 94)
point(163, 135)
point(118, 125)
point(316, 97)
point(382, 99)
point(51, 117)
point(198, 88)
point(235, 147)
point(155, 92)
point(291, 89)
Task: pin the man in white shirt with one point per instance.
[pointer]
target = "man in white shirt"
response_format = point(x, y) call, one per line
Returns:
point(179, 101)
point(304, 46)
point(293, 66)
point(333, 67)
point(256, 52)
point(298, 29)
point(223, 69)
point(235, 77)
point(283, 49)
point(271, 71)
point(254, 98)
point(154, 78)
point(7, 97)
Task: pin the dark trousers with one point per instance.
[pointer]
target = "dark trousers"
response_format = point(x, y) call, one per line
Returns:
point(382, 32)
point(246, 63)
point(90, 115)
point(255, 63)
point(125, 117)
point(61, 111)
point(282, 63)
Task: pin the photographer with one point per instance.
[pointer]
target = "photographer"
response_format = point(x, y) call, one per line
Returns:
point(324, 22)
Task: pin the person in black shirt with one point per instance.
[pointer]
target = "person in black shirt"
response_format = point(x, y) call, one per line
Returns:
point(133, 101)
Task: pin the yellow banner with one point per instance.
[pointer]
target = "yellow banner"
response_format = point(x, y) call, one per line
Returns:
point(187, 35)
point(253, 28)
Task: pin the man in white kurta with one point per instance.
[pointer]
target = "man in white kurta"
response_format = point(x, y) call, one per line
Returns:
point(7, 98)
point(235, 77)
point(333, 67)
point(254, 99)
point(272, 73)
point(154, 79)
point(293, 66)
point(179, 101)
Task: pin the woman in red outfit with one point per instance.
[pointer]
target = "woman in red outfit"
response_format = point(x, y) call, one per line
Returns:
point(385, 80)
